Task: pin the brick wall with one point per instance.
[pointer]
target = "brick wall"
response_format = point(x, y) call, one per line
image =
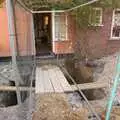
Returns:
point(24, 32)
point(4, 41)
point(99, 37)
point(23, 20)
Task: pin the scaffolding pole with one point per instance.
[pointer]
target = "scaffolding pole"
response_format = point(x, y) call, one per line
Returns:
point(12, 38)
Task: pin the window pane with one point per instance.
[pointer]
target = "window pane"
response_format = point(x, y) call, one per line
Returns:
point(96, 16)
point(116, 24)
point(116, 31)
point(117, 19)
point(60, 27)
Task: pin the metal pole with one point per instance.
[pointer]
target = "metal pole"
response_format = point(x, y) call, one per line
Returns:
point(86, 100)
point(114, 90)
point(12, 38)
point(34, 65)
point(33, 36)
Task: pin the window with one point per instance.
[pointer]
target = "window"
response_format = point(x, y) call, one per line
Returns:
point(115, 31)
point(60, 27)
point(96, 17)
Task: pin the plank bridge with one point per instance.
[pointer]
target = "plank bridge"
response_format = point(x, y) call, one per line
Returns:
point(50, 79)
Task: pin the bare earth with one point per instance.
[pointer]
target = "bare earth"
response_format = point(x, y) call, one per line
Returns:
point(56, 107)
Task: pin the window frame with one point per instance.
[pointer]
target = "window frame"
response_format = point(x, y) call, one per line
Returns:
point(101, 17)
point(112, 26)
point(66, 24)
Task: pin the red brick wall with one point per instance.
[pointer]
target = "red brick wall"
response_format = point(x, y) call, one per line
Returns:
point(24, 30)
point(4, 41)
point(99, 38)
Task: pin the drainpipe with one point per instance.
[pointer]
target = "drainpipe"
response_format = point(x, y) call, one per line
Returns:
point(12, 38)
point(33, 36)
point(15, 30)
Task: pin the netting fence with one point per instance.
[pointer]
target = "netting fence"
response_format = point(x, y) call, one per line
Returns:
point(25, 54)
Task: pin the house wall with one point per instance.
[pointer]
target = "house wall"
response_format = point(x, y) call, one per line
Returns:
point(4, 40)
point(97, 37)
point(24, 32)
point(24, 42)
point(99, 40)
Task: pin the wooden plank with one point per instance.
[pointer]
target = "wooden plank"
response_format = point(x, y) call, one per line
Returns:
point(94, 85)
point(47, 83)
point(13, 88)
point(82, 87)
point(39, 88)
point(60, 77)
point(56, 84)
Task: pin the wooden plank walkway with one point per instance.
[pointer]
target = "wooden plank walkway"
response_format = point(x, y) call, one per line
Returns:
point(50, 79)
point(93, 85)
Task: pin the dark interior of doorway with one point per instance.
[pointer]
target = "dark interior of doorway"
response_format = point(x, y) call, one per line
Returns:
point(43, 37)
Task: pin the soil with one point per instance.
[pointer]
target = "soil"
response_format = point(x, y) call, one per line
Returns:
point(115, 114)
point(56, 107)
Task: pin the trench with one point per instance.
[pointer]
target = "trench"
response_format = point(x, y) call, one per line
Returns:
point(83, 74)
point(8, 98)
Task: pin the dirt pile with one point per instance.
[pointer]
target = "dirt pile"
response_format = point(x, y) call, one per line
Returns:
point(108, 72)
point(56, 107)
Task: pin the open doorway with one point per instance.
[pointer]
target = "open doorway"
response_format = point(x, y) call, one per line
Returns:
point(43, 33)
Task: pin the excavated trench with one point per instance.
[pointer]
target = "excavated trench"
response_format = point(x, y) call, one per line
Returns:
point(8, 98)
point(83, 73)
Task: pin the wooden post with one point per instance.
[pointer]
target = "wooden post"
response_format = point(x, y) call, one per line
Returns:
point(33, 35)
point(12, 38)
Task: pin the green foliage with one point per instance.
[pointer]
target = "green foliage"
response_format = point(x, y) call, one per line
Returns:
point(110, 3)
point(82, 16)
point(65, 4)
point(83, 13)
point(52, 4)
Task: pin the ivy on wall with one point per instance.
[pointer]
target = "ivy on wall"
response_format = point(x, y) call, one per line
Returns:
point(65, 4)
point(83, 13)
point(52, 4)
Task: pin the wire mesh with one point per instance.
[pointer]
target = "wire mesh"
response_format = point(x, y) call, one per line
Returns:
point(25, 57)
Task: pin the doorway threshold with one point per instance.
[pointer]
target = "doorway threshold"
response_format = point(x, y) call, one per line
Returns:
point(45, 55)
